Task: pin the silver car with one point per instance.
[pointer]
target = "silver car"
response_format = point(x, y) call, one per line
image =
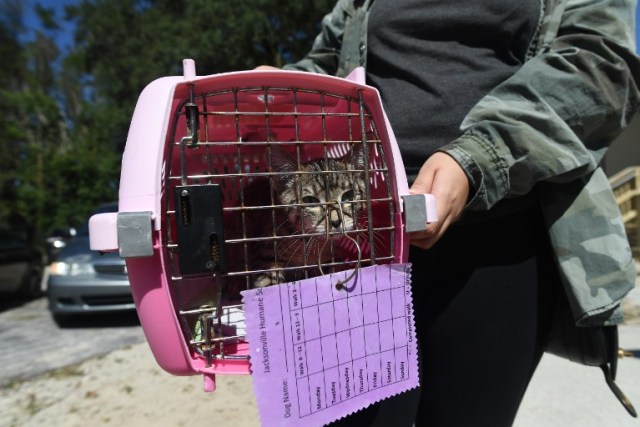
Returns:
point(84, 281)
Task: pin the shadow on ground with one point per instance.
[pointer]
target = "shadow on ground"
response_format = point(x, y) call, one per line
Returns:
point(8, 301)
point(102, 320)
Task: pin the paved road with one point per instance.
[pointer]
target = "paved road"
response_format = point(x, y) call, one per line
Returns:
point(31, 343)
point(565, 394)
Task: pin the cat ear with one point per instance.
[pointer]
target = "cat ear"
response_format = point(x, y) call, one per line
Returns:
point(356, 156)
point(281, 161)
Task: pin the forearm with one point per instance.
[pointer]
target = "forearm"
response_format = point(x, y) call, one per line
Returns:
point(554, 119)
point(324, 55)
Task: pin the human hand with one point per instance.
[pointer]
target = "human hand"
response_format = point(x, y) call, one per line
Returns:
point(443, 177)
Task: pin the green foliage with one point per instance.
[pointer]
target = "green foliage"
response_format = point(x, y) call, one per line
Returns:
point(66, 114)
point(126, 44)
point(11, 52)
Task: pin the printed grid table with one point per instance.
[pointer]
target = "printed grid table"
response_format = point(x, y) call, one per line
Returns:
point(319, 353)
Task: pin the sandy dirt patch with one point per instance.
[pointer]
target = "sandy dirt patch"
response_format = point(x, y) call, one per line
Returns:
point(126, 388)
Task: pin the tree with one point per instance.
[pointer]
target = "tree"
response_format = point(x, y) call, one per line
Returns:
point(51, 173)
point(126, 44)
point(66, 114)
point(12, 69)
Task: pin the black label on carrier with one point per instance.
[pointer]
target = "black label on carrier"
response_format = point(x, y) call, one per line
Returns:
point(200, 229)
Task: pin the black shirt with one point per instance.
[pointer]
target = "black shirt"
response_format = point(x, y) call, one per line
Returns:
point(433, 60)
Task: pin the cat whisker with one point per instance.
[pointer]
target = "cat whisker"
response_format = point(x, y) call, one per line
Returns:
point(297, 249)
point(292, 248)
point(278, 227)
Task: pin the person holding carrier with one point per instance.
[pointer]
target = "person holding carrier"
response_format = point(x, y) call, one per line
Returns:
point(503, 111)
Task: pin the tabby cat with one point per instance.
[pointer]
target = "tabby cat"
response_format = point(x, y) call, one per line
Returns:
point(315, 204)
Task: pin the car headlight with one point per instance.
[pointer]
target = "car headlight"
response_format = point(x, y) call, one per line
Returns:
point(70, 269)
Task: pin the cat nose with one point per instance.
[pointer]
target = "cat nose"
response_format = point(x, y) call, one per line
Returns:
point(335, 219)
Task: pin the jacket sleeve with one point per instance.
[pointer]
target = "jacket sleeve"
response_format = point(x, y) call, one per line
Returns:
point(554, 119)
point(324, 56)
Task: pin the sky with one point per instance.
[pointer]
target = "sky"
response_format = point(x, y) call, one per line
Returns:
point(64, 36)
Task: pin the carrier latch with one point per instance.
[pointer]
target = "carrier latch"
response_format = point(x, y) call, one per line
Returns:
point(419, 211)
point(134, 234)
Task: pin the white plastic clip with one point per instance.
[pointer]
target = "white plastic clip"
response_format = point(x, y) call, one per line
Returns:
point(189, 69)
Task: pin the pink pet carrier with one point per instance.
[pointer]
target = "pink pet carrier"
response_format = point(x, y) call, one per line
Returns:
point(195, 146)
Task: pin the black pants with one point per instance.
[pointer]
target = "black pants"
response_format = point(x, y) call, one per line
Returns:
point(483, 298)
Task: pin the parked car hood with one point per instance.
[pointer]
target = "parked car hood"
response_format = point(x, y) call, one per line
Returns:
point(78, 250)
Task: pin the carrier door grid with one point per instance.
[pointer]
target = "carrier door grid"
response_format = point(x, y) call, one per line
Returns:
point(267, 185)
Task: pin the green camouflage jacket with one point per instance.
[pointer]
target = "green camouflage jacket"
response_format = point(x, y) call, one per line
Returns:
point(548, 125)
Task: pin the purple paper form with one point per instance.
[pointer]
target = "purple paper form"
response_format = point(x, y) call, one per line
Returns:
point(319, 354)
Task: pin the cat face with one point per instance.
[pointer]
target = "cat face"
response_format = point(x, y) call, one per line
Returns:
point(324, 196)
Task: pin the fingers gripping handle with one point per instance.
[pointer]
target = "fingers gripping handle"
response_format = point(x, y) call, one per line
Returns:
point(419, 211)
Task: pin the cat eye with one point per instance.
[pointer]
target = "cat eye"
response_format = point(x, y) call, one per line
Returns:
point(310, 199)
point(347, 196)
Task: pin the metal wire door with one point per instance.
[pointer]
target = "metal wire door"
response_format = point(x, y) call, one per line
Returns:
point(221, 147)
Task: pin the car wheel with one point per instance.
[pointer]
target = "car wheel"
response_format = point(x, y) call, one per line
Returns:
point(31, 287)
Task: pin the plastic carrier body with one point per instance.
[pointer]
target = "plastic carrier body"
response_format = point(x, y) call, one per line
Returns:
point(195, 147)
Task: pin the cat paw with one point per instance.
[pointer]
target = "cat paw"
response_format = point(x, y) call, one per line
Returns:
point(269, 279)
